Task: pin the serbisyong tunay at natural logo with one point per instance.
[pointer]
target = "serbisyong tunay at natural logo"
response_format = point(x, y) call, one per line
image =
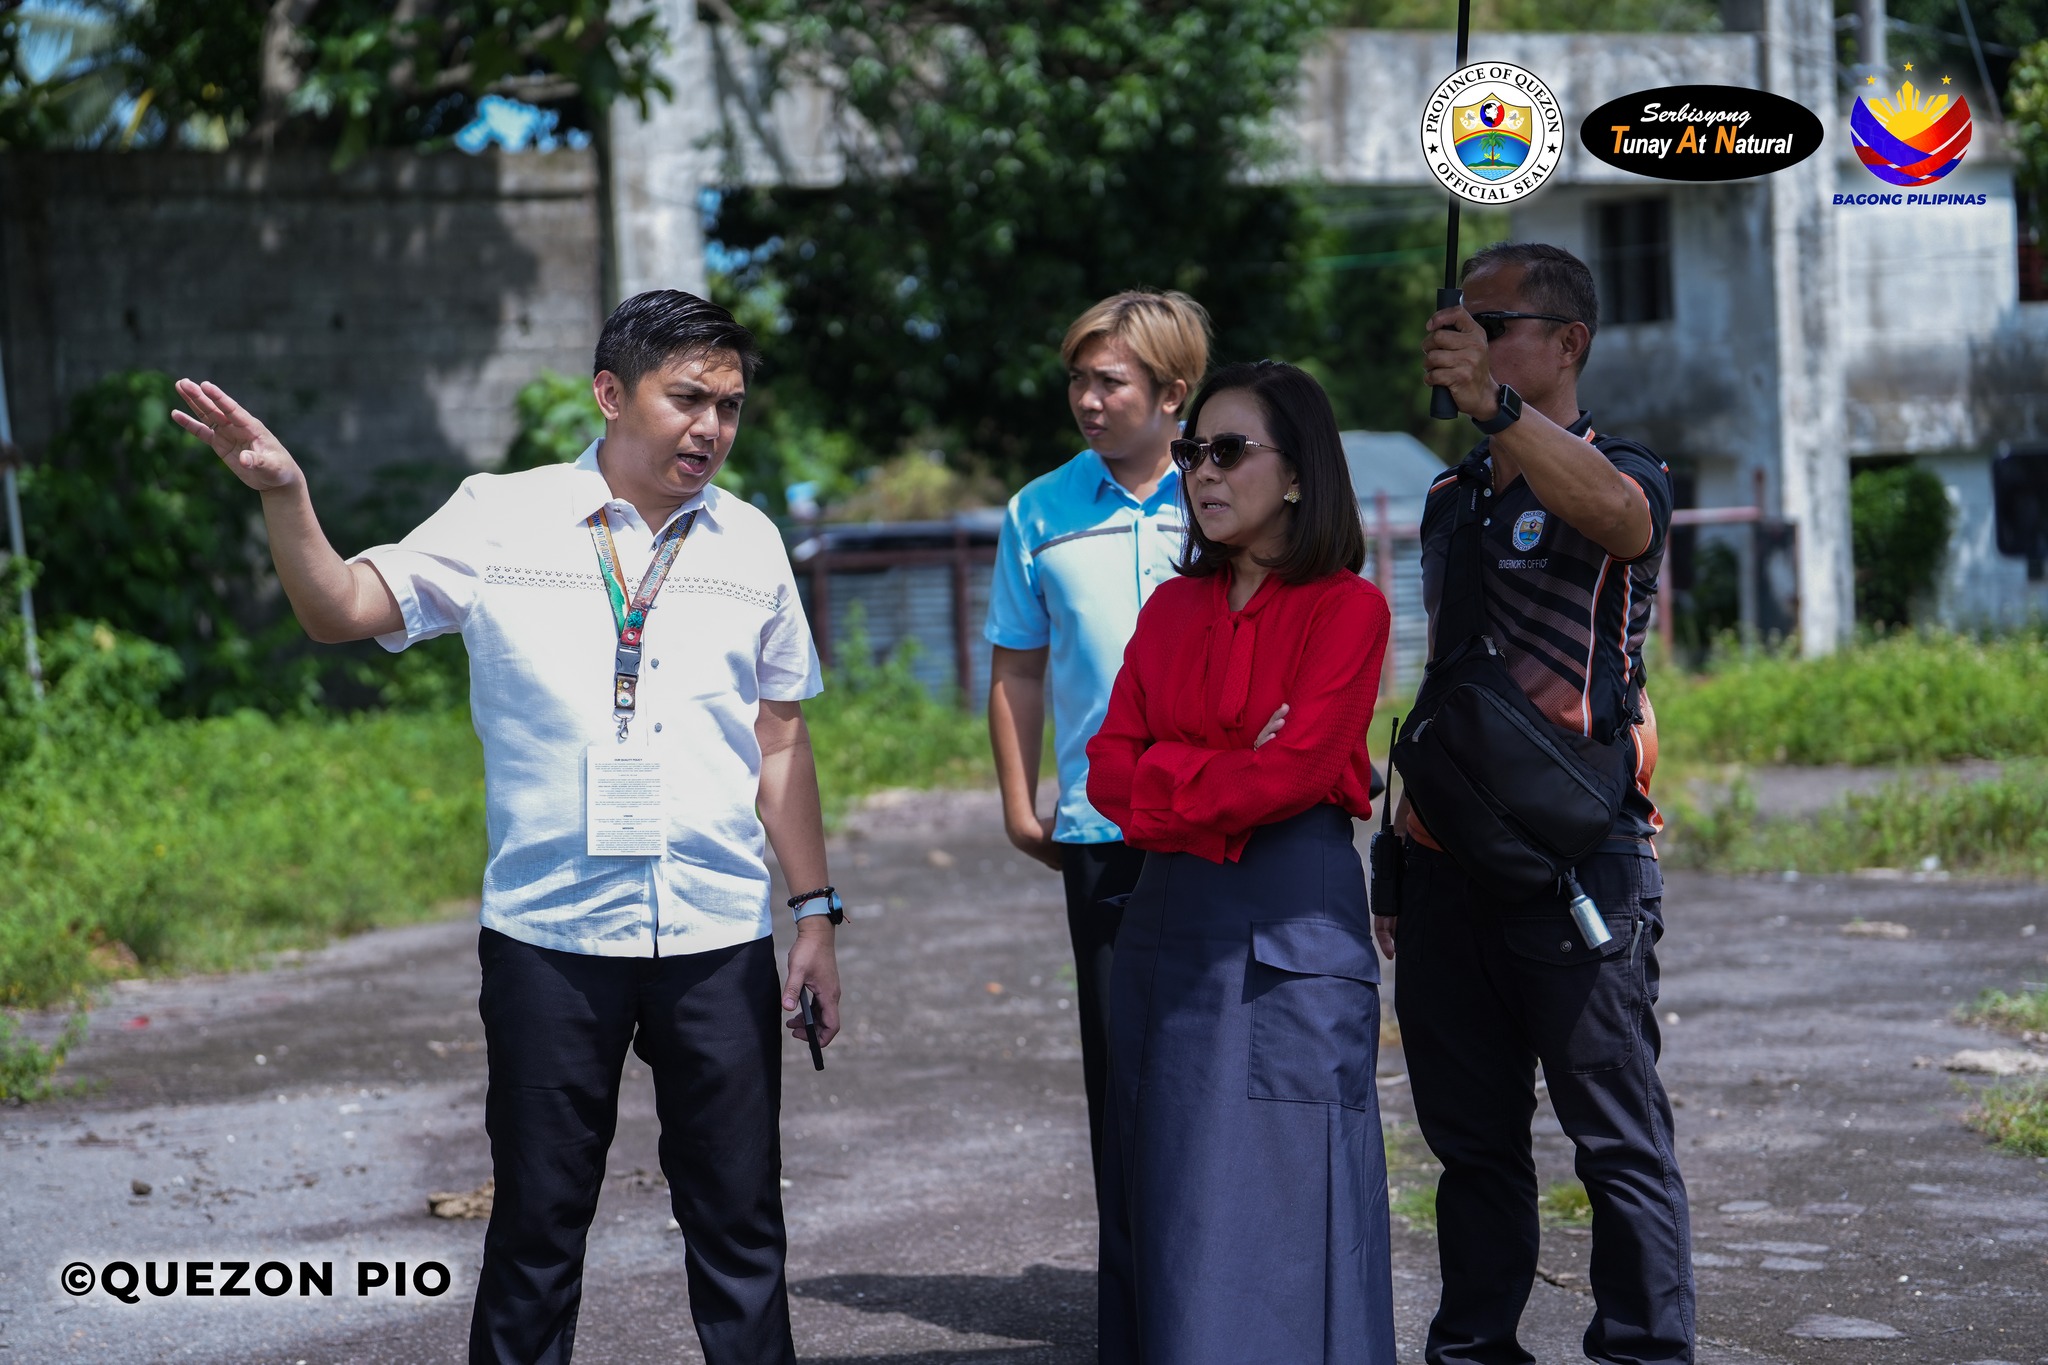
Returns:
point(1492, 132)
point(1702, 132)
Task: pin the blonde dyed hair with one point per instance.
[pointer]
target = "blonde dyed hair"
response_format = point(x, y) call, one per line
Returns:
point(1166, 330)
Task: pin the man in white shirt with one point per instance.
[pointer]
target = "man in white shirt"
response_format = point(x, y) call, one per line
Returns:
point(625, 895)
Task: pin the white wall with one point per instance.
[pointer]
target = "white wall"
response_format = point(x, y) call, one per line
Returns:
point(1978, 586)
point(1924, 291)
point(1698, 387)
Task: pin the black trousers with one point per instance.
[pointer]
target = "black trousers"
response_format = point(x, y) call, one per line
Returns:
point(557, 1026)
point(1486, 991)
point(1093, 873)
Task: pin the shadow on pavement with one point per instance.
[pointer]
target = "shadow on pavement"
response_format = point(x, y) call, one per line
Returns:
point(1045, 1305)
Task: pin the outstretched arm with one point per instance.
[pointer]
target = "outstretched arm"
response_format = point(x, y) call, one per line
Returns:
point(334, 601)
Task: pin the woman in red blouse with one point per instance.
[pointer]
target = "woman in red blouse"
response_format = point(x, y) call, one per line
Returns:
point(1244, 1149)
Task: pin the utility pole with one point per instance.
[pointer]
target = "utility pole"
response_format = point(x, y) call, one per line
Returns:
point(9, 459)
point(1870, 38)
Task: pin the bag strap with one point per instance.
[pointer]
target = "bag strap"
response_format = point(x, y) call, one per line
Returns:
point(1387, 796)
point(1462, 612)
point(1632, 686)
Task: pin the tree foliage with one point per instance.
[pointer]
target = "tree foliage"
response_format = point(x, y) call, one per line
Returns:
point(135, 525)
point(55, 75)
point(1931, 35)
point(2029, 113)
point(1536, 16)
point(1900, 520)
point(1021, 160)
point(347, 74)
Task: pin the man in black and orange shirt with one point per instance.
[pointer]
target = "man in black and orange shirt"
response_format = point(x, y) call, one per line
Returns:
point(1572, 536)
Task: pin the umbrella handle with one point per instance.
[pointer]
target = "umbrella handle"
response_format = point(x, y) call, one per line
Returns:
point(1441, 405)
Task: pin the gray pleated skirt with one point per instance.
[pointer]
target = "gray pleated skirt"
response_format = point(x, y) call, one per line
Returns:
point(1243, 1149)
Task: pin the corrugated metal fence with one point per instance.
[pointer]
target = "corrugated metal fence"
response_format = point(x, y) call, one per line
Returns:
point(928, 583)
point(1393, 561)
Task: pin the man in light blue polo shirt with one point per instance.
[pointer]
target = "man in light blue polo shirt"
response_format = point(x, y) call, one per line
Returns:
point(1081, 551)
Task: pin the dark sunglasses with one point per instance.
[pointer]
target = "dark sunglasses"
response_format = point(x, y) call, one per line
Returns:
point(1495, 325)
point(1226, 450)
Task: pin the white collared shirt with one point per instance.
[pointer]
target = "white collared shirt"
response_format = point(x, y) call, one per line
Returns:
point(509, 563)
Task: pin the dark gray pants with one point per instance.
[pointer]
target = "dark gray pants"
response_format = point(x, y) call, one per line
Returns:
point(1485, 991)
point(1098, 878)
point(557, 1026)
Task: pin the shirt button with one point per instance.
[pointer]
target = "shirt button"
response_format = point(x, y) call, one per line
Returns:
point(1487, 494)
point(654, 663)
point(657, 727)
point(1564, 945)
point(1487, 522)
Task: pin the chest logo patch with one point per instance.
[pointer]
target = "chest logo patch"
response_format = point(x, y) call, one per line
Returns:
point(1528, 531)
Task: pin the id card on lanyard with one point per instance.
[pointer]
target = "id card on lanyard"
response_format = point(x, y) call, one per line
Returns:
point(625, 810)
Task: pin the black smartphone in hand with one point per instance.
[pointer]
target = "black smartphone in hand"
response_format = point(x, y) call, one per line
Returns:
point(807, 1003)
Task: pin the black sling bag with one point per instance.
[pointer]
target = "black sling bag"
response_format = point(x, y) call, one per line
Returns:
point(1514, 798)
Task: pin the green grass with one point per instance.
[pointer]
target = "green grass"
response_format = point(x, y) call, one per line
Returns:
point(2014, 1117)
point(196, 845)
point(26, 1066)
point(1900, 698)
point(1563, 1204)
point(1411, 1187)
point(2026, 1012)
point(199, 845)
point(1988, 828)
point(875, 727)
point(1411, 1176)
point(1415, 1204)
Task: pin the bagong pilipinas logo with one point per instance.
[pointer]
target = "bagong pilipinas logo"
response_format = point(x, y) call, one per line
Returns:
point(1492, 132)
point(1911, 139)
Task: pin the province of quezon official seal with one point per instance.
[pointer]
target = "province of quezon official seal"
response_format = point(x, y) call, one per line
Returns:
point(1492, 132)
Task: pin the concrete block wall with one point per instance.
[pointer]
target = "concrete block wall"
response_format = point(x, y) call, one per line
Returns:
point(382, 314)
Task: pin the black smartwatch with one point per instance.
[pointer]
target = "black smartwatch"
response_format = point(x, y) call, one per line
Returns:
point(1510, 413)
point(835, 909)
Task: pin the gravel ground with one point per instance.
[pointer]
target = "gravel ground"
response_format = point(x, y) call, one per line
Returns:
point(936, 1172)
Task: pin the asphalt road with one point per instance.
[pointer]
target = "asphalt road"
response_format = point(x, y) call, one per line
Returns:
point(936, 1172)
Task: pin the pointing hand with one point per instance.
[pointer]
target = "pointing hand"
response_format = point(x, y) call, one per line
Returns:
point(244, 444)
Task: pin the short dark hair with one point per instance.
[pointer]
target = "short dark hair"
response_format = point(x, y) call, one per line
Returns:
point(1323, 530)
point(648, 330)
point(1553, 281)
